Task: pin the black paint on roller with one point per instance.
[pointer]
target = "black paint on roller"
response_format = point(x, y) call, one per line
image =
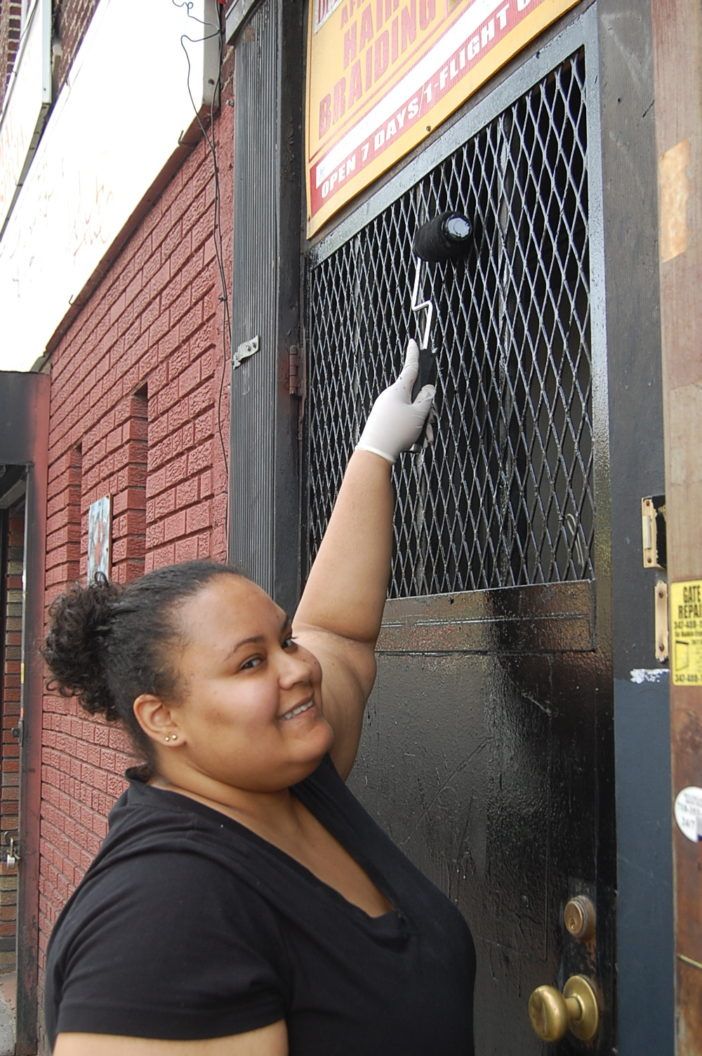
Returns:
point(444, 237)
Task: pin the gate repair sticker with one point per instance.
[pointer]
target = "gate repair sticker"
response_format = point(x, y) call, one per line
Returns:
point(688, 812)
point(686, 632)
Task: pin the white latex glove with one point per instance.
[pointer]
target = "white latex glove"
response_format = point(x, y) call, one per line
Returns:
point(395, 423)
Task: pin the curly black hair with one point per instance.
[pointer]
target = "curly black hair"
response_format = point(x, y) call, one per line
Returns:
point(108, 643)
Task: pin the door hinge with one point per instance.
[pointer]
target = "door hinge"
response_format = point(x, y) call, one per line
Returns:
point(294, 371)
point(653, 541)
point(661, 620)
point(653, 534)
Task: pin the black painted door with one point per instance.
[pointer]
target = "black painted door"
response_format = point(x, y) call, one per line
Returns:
point(487, 752)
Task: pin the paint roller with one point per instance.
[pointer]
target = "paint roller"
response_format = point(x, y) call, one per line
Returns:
point(446, 237)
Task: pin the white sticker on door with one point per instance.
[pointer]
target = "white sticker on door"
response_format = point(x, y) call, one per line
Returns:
point(688, 812)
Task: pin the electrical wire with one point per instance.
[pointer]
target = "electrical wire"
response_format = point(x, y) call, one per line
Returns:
point(209, 139)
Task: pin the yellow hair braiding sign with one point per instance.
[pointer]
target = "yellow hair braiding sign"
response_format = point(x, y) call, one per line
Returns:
point(382, 74)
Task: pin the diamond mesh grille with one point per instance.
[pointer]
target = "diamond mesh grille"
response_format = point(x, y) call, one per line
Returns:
point(504, 496)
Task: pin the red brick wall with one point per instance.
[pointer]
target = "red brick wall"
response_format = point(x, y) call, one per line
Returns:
point(10, 19)
point(139, 411)
point(11, 592)
point(129, 507)
point(70, 21)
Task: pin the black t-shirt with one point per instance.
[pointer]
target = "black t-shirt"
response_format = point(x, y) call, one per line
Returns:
point(188, 925)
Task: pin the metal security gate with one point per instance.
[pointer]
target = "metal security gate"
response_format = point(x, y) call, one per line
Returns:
point(504, 496)
point(489, 731)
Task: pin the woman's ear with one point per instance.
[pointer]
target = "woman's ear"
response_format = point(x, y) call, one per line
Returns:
point(156, 719)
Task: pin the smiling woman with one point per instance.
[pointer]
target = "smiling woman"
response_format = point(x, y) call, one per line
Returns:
point(243, 903)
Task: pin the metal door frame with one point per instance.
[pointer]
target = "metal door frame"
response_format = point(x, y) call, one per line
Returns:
point(267, 36)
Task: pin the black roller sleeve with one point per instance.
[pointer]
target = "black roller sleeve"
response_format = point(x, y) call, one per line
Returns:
point(445, 237)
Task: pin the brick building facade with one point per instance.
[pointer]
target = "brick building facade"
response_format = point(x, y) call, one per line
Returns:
point(139, 412)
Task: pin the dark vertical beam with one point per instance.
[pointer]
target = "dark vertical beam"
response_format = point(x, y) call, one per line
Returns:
point(677, 36)
point(266, 293)
point(24, 431)
point(626, 237)
point(4, 719)
point(31, 726)
point(4, 536)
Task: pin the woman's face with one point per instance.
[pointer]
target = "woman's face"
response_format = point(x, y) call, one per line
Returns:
point(250, 714)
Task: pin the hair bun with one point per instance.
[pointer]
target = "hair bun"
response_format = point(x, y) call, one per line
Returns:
point(75, 646)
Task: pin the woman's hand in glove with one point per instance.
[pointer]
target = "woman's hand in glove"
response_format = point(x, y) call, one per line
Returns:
point(395, 422)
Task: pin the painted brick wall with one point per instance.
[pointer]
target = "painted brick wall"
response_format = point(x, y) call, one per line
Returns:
point(9, 758)
point(139, 411)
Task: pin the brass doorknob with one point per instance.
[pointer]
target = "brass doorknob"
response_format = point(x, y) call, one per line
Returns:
point(576, 1009)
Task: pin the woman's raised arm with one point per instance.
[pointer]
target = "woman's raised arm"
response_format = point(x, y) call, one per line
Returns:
point(341, 608)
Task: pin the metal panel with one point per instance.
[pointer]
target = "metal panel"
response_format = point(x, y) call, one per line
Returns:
point(264, 463)
point(624, 233)
point(560, 618)
point(22, 395)
point(254, 296)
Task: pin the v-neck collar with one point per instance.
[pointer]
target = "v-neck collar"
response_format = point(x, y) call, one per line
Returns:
point(390, 924)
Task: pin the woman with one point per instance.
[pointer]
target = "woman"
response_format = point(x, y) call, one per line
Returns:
point(243, 903)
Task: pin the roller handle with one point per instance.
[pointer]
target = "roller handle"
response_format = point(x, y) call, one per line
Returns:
point(426, 374)
point(444, 237)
